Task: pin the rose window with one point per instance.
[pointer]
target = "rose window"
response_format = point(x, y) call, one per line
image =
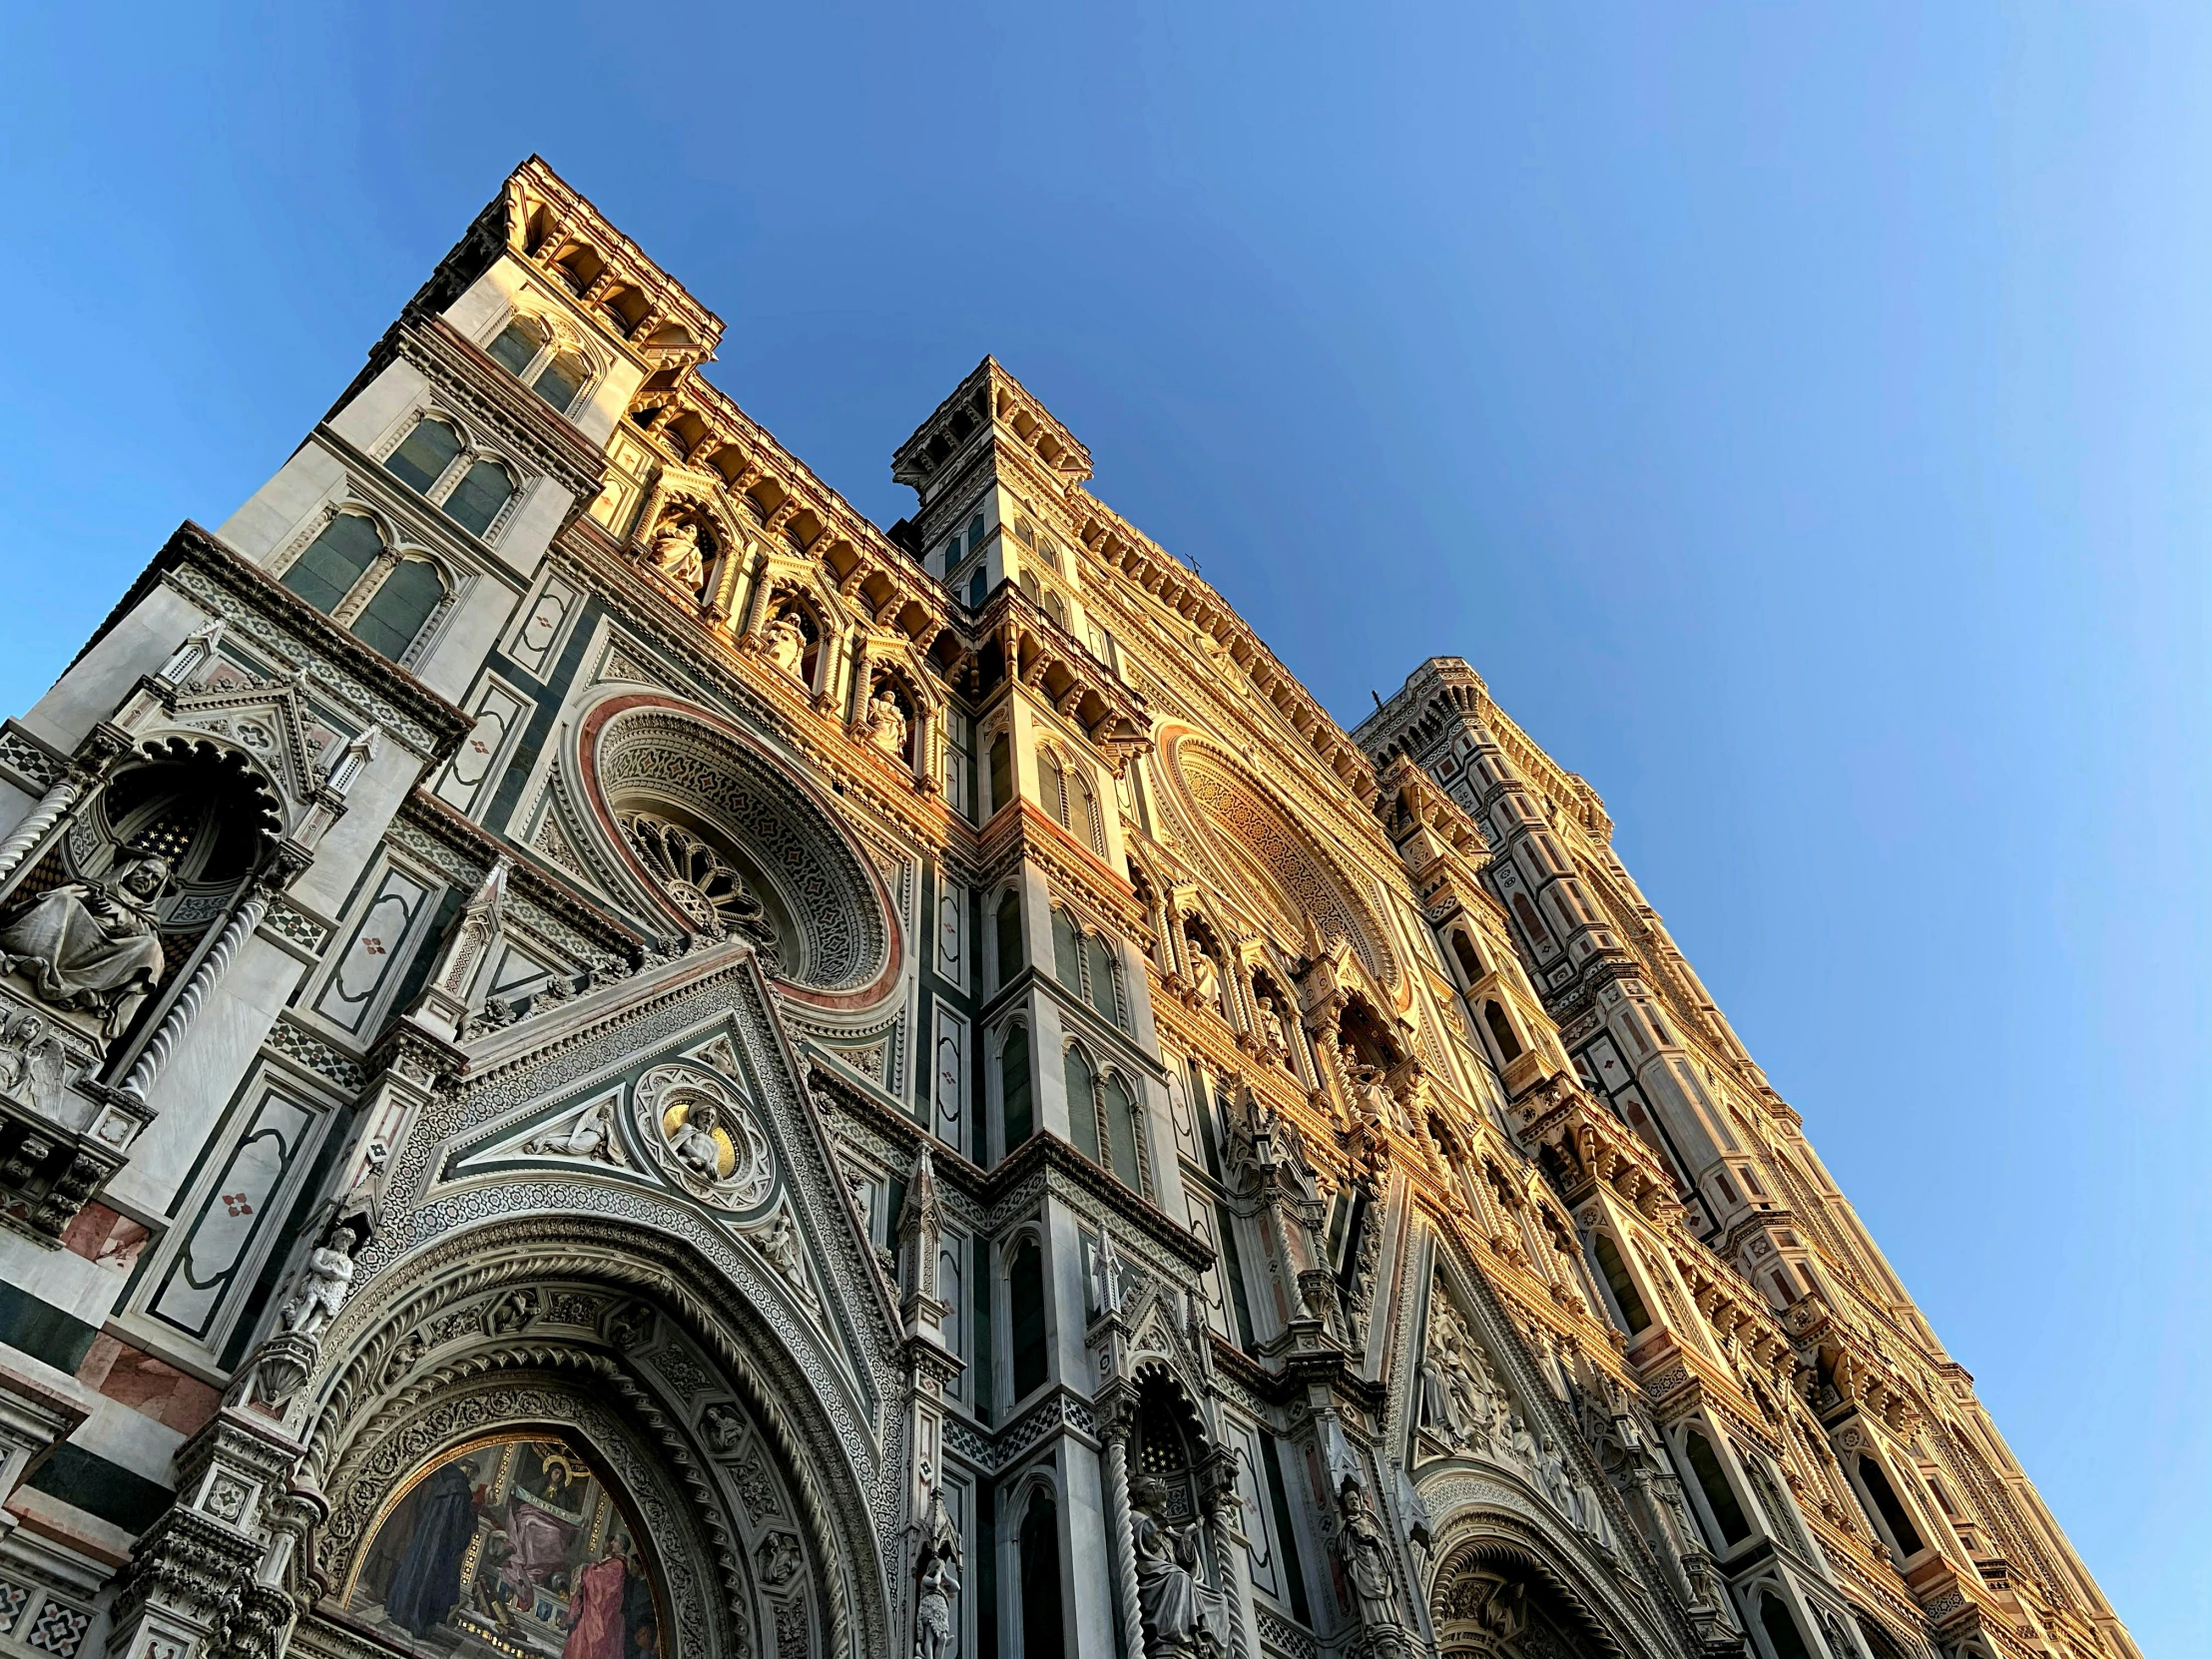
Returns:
point(700, 883)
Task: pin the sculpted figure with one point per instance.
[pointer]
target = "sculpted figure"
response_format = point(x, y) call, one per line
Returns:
point(1367, 1558)
point(934, 1611)
point(693, 1141)
point(673, 547)
point(787, 644)
point(93, 946)
point(1523, 1444)
point(1167, 1589)
point(1437, 1408)
point(33, 1063)
point(321, 1293)
point(780, 1244)
point(887, 721)
point(590, 1136)
point(1551, 1475)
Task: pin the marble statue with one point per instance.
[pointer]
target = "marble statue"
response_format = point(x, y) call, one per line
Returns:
point(93, 946)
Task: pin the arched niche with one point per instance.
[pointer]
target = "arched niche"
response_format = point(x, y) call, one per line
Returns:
point(1256, 851)
point(1492, 1598)
point(694, 1435)
point(729, 845)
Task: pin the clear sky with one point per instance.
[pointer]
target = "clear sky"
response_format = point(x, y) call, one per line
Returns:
point(1797, 415)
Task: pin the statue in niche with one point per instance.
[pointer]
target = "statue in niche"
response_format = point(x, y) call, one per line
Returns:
point(1167, 1558)
point(324, 1283)
point(940, 1570)
point(886, 723)
point(1366, 1555)
point(94, 945)
point(674, 550)
point(787, 644)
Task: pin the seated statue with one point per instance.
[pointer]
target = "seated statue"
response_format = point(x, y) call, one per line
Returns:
point(886, 723)
point(94, 945)
point(673, 546)
point(787, 645)
point(1167, 1589)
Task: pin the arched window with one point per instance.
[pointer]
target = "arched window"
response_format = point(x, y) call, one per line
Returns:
point(1904, 1537)
point(1052, 784)
point(1121, 1134)
point(560, 381)
point(1002, 771)
point(328, 568)
point(517, 348)
point(1501, 1032)
point(978, 588)
point(401, 604)
point(1099, 963)
point(1082, 1105)
point(1782, 1630)
point(1470, 964)
point(1013, 1087)
point(1086, 823)
point(1042, 1632)
point(1009, 937)
point(1633, 1312)
point(478, 498)
point(1720, 1496)
point(1067, 951)
point(428, 450)
point(1025, 1316)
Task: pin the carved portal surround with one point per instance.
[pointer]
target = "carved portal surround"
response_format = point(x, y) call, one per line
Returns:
point(596, 1333)
point(1495, 1599)
point(810, 897)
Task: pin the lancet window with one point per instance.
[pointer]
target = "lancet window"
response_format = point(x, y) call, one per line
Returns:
point(384, 595)
point(533, 355)
point(1087, 964)
point(1103, 1118)
point(436, 463)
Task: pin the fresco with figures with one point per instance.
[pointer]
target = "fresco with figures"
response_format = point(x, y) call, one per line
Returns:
point(511, 1548)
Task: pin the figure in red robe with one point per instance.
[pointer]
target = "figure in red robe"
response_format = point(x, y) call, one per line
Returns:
point(595, 1609)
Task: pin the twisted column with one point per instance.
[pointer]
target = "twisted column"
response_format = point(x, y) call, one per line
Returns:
point(52, 804)
point(1116, 1428)
point(203, 980)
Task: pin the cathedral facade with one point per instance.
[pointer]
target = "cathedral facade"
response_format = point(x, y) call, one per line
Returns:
point(600, 1059)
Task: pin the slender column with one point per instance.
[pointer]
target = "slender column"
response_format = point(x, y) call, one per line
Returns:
point(197, 989)
point(56, 801)
point(1116, 1429)
point(1233, 1567)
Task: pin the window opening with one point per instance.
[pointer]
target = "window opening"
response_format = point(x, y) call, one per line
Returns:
point(478, 497)
point(1720, 1496)
point(1013, 1087)
point(1025, 1305)
point(401, 604)
point(1617, 1279)
point(422, 460)
point(1903, 1534)
point(328, 568)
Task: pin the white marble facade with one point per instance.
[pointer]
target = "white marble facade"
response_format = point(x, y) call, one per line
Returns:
point(600, 1058)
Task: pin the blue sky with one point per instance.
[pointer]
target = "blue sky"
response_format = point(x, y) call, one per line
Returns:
point(1797, 415)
